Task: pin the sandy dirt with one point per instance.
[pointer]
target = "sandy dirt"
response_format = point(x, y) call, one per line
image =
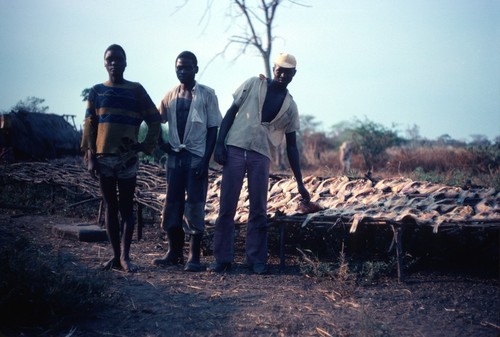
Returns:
point(170, 302)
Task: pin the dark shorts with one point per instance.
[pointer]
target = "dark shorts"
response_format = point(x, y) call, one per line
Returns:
point(113, 166)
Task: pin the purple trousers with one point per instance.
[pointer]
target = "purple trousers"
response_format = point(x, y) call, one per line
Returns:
point(256, 167)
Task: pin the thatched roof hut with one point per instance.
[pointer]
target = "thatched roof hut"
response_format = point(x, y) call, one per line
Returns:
point(37, 136)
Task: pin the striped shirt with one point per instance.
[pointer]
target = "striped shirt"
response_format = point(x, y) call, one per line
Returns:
point(113, 117)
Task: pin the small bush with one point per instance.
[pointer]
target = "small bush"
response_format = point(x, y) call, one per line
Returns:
point(372, 139)
point(372, 270)
point(310, 265)
point(345, 274)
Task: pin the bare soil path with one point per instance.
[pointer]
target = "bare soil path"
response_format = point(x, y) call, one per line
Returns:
point(170, 302)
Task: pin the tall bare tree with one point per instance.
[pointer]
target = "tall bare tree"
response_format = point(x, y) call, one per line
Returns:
point(256, 20)
point(259, 17)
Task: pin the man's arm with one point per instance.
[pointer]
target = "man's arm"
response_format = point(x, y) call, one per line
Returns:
point(293, 157)
point(209, 149)
point(220, 154)
point(164, 146)
point(151, 117)
point(88, 144)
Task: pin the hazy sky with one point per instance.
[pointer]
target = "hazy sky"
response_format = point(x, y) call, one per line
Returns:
point(430, 63)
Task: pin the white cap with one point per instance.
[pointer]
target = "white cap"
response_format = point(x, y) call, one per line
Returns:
point(285, 60)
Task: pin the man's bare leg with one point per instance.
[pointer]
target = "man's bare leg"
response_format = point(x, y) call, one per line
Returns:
point(108, 190)
point(127, 188)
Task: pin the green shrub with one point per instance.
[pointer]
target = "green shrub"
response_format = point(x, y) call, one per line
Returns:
point(372, 140)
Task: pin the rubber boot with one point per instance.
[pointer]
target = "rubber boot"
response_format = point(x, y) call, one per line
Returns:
point(193, 264)
point(174, 254)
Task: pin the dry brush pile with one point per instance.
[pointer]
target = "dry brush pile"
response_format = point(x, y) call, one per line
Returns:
point(354, 199)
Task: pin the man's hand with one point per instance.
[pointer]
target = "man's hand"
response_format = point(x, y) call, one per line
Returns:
point(166, 147)
point(92, 165)
point(304, 193)
point(201, 170)
point(220, 154)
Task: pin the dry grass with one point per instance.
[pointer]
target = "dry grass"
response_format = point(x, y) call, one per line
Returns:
point(456, 166)
point(345, 275)
point(449, 165)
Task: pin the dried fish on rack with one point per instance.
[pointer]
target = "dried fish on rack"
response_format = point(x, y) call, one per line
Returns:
point(354, 201)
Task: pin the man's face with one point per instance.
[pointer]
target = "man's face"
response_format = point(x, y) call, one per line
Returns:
point(185, 70)
point(114, 62)
point(283, 76)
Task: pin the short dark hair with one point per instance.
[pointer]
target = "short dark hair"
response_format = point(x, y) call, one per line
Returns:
point(115, 47)
point(188, 55)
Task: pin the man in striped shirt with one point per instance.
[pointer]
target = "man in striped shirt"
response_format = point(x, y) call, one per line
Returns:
point(115, 111)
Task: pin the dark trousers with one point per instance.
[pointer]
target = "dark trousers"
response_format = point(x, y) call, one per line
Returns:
point(256, 167)
point(186, 195)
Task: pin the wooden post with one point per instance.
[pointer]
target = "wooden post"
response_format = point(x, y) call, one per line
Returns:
point(282, 230)
point(398, 235)
point(139, 222)
point(99, 213)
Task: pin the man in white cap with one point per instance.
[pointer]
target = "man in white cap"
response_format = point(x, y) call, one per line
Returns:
point(263, 111)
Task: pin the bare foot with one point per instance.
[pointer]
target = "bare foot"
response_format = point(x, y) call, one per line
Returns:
point(112, 264)
point(128, 267)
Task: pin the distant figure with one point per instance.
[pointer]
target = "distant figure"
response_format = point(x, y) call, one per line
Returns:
point(345, 156)
point(115, 111)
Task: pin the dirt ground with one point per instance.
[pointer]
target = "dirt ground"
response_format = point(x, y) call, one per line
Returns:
point(171, 302)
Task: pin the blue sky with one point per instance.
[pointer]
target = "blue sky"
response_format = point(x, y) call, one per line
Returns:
point(430, 63)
